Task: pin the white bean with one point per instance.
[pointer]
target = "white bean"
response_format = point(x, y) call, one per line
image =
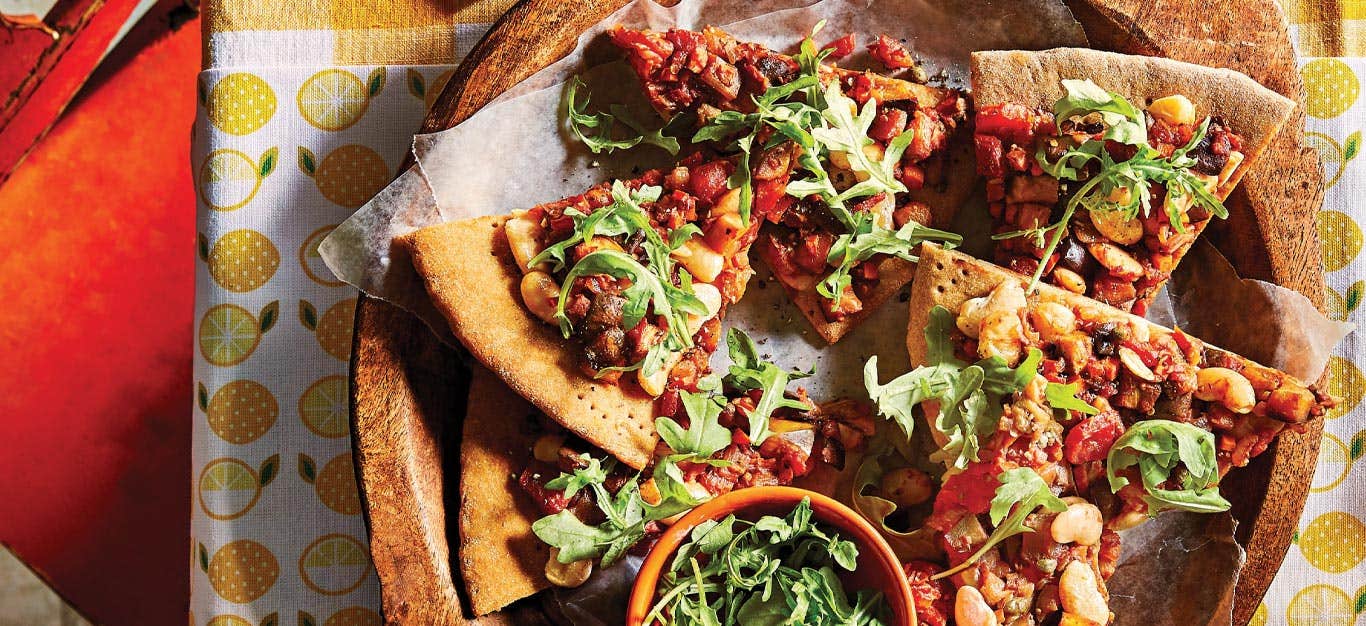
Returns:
point(541, 294)
point(567, 574)
point(1227, 387)
point(1080, 594)
point(971, 609)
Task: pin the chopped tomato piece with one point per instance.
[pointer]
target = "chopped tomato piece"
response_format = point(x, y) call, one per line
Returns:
point(1090, 439)
point(891, 53)
point(842, 47)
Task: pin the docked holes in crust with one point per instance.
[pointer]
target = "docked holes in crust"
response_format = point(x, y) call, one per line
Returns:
point(700, 260)
point(524, 237)
point(541, 294)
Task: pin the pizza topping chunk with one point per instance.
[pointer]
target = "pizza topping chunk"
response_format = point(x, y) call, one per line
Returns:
point(1098, 196)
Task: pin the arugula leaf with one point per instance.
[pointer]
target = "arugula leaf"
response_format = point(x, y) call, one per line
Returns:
point(1020, 493)
point(1065, 397)
point(868, 240)
point(593, 474)
point(970, 397)
point(1159, 448)
point(1125, 124)
point(741, 178)
point(704, 435)
point(847, 133)
point(748, 371)
point(623, 217)
point(595, 129)
point(1130, 180)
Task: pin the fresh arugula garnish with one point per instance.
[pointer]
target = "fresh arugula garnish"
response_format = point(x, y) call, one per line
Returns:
point(847, 133)
point(626, 512)
point(970, 397)
point(1128, 182)
point(704, 435)
point(1020, 493)
point(651, 289)
point(748, 371)
point(592, 473)
point(1160, 448)
point(595, 130)
point(1061, 396)
point(776, 570)
point(867, 240)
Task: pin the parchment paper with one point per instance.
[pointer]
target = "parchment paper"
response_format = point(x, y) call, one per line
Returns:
point(515, 154)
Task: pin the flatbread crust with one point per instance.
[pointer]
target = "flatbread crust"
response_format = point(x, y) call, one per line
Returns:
point(1035, 79)
point(949, 278)
point(893, 274)
point(472, 278)
point(500, 560)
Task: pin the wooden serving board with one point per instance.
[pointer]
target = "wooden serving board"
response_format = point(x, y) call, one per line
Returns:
point(408, 389)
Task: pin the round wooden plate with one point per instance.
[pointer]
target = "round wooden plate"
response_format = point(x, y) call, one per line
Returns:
point(408, 389)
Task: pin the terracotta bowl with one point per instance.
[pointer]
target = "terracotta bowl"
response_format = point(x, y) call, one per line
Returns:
point(878, 567)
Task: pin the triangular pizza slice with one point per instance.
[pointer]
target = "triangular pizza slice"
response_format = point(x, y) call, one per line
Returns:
point(1103, 168)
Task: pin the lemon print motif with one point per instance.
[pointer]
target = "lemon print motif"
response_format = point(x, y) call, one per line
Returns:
point(1341, 239)
point(1335, 462)
point(229, 179)
point(1345, 383)
point(241, 260)
point(229, 488)
point(228, 333)
point(1333, 156)
point(240, 571)
point(417, 85)
point(335, 99)
point(1340, 306)
point(350, 616)
point(1321, 605)
point(334, 564)
point(348, 176)
point(240, 411)
point(240, 103)
point(336, 483)
point(333, 329)
point(324, 407)
point(312, 260)
point(1259, 616)
point(1330, 87)
point(1334, 542)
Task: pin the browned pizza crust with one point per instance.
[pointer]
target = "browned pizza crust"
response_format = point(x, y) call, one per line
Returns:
point(500, 560)
point(473, 280)
point(1035, 79)
point(949, 278)
point(893, 274)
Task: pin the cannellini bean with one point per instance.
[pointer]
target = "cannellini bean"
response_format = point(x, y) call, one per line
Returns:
point(1081, 524)
point(906, 486)
point(653, 384)
point(970, 316)
point(541, 294)
point(1052, 320)
point(711, 298)
point(567, 574)
point(1176, 109)
point(1127, 520)
point(524, 237)
point(1002, 335)
point(1227, 387)
point(1118, 226)
point(1135, 364)
point(1120, 263)
point(649, 492)
point(547, 448)
point(701, 261)
point(1069, 619)
point(1080, 593)
point(971, 609)
point(1235, 159)
point(594, 245)
point(1069, 280)
point(1139, 332)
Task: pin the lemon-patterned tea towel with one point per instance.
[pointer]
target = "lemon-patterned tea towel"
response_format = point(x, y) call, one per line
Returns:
point(305, 111)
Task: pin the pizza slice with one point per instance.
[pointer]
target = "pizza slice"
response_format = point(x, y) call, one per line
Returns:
point(540, 506)
point(1102, 168)
point(594, 306)
point(1063, 420)
point(872, 170)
